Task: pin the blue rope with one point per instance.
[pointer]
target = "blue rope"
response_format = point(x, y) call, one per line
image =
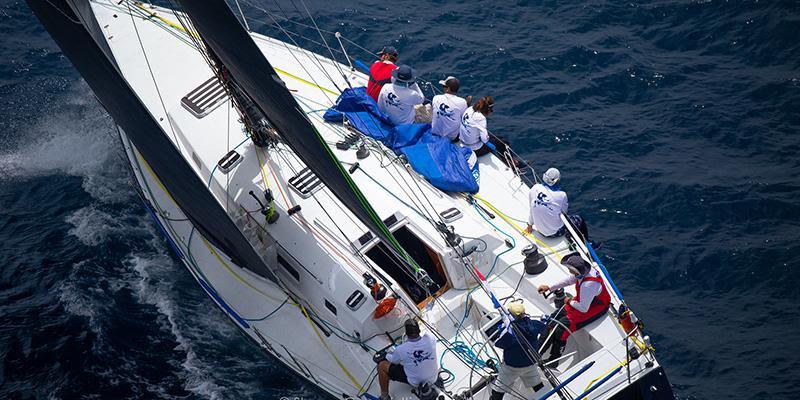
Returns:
point(270, 314)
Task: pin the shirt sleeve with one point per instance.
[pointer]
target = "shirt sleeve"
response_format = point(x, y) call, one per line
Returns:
point(419, 98)
point(381, 97)
point(482, 128)
point(396, 356)
point(565, 205)
point(531, 197)
point(570, 280)
point(589, 290)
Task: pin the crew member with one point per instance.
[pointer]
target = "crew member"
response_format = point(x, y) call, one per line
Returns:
point(473, 132)
point(380, 73)
point(413, 362)
point(398, 98)
point(448, 109)
point(590, 303)
point(547, 202)
point(517, 360)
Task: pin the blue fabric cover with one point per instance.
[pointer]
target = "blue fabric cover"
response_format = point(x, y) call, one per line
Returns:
point(441, 162)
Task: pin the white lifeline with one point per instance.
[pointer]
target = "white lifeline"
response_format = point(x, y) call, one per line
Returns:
point(319, 254)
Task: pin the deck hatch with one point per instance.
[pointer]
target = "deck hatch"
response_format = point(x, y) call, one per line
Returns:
point(305, 183)
point(204, 98)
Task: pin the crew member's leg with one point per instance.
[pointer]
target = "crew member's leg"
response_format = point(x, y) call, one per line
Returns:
point(530, 377)
point(388, 371)
point(556, 343)
point(505, 380)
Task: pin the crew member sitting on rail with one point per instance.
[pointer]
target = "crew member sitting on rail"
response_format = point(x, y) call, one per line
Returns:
point(397, 99)
point(380, 73)
point(448, 109)
point(413, 362)
point(518, 362)
point(547, 203)
point(590, 303)
point(473, 132)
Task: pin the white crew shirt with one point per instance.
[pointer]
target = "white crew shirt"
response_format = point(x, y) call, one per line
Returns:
point(546, 206)
point(473, 132)
point(418, 358)
point(398, 102)
point(589, 290)
point(447, 111)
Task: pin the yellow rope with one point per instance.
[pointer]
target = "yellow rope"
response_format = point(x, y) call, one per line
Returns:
point(324, 343)
point(173, 25)
point(515, 226)
point(604, 374)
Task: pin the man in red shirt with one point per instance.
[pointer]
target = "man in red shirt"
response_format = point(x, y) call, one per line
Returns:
point(380, 73)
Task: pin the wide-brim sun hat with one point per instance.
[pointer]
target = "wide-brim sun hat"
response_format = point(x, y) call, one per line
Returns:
point(575, 263)
point(551, 176)
point(405, 74)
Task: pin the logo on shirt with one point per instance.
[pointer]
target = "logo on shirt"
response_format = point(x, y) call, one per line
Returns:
point(465, 120)
point(419, 356)
point(444, 111)
point(392, 99)
point(543, 200)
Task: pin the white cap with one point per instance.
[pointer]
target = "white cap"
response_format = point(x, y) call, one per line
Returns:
point(444, 82)
point(551, 176)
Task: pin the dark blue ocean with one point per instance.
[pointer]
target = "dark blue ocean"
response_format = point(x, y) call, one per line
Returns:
point(676, 125)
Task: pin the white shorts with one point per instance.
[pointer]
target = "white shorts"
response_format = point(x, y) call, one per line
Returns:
point(508, 375)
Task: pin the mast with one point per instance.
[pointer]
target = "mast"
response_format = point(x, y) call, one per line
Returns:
point(109, 86)
point(234, 49)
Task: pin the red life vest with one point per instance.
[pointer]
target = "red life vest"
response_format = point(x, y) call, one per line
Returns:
point(599, 305)
point(380, 73)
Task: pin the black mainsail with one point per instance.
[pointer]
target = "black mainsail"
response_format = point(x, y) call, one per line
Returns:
point(233, 46)
point(127, 110)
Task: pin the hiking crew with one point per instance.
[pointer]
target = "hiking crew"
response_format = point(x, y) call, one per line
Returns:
point(398, 98)
point(547, 202)
point(380, 73)
point(447, 109)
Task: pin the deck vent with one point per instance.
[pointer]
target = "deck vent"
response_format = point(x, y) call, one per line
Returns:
point(450, 215)
point(305, 183)
point(204, 98)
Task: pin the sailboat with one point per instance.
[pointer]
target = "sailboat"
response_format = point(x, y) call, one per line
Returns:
point(317, 240)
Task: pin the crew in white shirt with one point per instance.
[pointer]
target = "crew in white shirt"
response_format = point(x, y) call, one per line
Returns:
point(413, 362)
point(473, 133)
point(448, 109)
point(397, 99)
point(547, 202)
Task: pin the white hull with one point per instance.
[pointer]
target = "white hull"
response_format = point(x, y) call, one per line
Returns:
point(323, 268)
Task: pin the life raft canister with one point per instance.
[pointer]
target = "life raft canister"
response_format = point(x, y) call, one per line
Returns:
point(384, 307)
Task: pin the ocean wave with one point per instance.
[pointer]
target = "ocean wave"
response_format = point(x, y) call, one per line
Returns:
point(76, 139)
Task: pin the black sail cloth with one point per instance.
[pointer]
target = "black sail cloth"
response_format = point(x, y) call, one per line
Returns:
point(222, 33)
point(114, 93)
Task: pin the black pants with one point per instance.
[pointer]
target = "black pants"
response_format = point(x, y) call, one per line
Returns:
point(555, 342)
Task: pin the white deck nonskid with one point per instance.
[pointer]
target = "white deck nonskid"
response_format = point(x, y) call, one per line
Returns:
point(316, 241)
